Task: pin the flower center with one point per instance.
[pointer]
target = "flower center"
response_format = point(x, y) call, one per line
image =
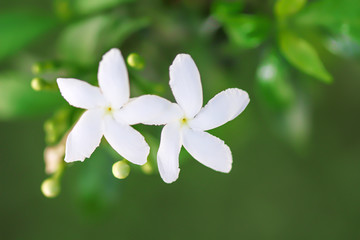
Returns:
point(108, 110)
point(183, 121)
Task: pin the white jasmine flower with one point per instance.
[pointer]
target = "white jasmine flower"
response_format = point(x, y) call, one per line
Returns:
point(190, 121)
point(109, 112)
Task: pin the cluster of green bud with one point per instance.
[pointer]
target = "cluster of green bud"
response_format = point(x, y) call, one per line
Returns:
point(56, 126)
point(55, 166)
point(51, 186)
point(46, 66)
point(45, 73)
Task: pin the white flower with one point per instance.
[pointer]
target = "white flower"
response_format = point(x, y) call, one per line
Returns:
point(109, 112)
point(190, 121)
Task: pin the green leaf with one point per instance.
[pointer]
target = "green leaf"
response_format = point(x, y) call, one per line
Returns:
point(67, 8)
point(20, 28)
point(339, 17)
point(121, 29)
point(273, 82)
point(83, 43)
point(93, 6)
point(331, 12)
point(247, 31)
point(78, 44)
point(285, 8)
point(221, 9)
point(303, 56)
point(18, 99)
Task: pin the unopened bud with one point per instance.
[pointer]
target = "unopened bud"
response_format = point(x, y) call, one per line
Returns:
point(50, 187)
point(36, 68)
point(46, 66)
point(159, 88)
point(147, 168)
point(37, 84)
point(121, 169)
point(135, 61)
point(50, 131)
point(53, 156)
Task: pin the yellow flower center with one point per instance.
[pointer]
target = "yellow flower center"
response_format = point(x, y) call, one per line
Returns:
point(108, 110)
point(183, 121)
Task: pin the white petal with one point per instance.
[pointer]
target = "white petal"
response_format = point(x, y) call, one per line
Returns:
point(80, 94)
point(168, 154)
point(208, 150)
point(185, 84)
point(128, 142)
point(113, 78)
point(85, 137)
point(224, 107)
point(151, 110)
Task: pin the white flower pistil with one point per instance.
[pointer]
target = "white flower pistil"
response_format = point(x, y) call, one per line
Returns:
point(184, 121)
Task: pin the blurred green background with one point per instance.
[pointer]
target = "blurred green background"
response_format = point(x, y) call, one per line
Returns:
point(295, 148)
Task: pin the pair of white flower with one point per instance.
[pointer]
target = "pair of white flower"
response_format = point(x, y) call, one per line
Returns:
point(110, 111)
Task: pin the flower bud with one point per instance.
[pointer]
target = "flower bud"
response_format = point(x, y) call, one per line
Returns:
point(55, 127)
point(50, 131)
point(147, 168)
point(121, 169)
point(135, 61)
point(159, 88)
point(37, 84)
point(50, 187)
point(41, 67)
point(36, 68)
point(53, 156)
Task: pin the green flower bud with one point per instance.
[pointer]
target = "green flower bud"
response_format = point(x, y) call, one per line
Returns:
point(36, 68)
point(50, 187)
point(135, 61)
point(53, 157)
point(51, 134)
point(159, 88)
point(41, 67)
point(56, 126)
point(37, 84)
point(147, 168)
point(121, 169)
